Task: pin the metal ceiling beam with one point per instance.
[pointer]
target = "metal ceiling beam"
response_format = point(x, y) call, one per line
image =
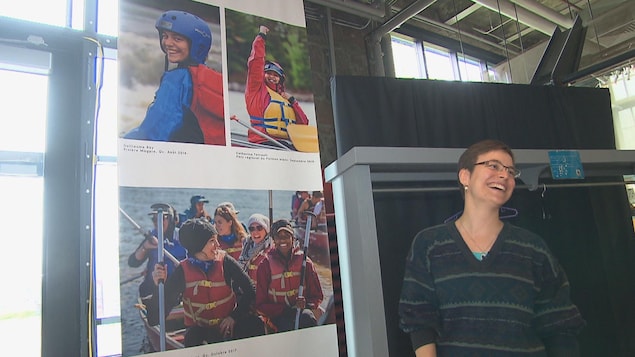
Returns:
point(543, 11)
point(456, 31)
point(353, 8)
point(524, 16)
point(463, 14)
point(400, 18)
point(374, 38)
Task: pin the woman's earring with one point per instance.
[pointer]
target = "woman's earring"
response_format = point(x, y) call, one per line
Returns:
point(465, 188)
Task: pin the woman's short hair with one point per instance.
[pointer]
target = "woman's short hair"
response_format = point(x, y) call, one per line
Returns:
point(470, 155)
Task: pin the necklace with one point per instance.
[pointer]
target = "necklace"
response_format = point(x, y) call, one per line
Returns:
point(482, 253)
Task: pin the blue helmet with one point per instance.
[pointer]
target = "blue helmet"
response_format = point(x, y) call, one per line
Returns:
point(274, 67)
point(192, 27)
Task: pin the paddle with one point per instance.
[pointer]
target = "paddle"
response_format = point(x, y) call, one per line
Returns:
point(145, 234)
point(161, 284)
point(270, 208)
point(329, 306)
point(274, 141)
point(304, 137)
point(305, 248)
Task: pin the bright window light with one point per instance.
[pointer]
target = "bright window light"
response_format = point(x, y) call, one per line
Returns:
point(21, 218)
point(25, 124)
point(439, 64)
point(470, 69)
point(51, 12)
point(407, 59)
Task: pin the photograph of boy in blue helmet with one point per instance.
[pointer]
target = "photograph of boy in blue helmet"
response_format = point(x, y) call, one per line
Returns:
point(188, 106)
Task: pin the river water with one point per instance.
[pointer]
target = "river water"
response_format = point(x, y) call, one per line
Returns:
point(136, 203)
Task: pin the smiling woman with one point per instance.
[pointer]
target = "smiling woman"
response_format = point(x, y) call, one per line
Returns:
point(188, 106)
point(481, 285)
point(175, 46)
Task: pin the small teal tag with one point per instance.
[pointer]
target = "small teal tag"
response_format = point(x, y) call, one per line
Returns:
point(565, 164)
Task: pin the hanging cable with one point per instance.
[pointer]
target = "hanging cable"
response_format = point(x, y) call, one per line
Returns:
point(520, 40)
point(500, 15)
point(595, 29)
point(570, 11)
point(99, 76)
point(458, 27)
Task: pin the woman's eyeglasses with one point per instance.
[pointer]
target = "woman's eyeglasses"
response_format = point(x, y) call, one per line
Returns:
point(499, 167)
point(256, 228)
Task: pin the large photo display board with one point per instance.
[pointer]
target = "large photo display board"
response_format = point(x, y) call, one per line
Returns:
point(223, 240)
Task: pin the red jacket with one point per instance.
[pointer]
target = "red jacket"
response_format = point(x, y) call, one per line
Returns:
point(257, 98)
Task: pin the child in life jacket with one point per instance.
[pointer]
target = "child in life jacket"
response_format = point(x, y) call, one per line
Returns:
point(188, 105)
point(269, 106)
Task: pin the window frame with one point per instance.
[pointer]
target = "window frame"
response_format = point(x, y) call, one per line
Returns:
point(67, 166)
point(455, 56)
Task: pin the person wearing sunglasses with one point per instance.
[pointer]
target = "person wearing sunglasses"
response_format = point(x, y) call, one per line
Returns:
point(257, 244)
point(478, 286)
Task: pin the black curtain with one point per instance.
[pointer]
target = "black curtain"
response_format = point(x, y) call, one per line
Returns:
point(374, 111)
point(589, 229)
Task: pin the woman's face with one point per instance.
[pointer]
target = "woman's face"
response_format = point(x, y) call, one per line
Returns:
point(283, 241)
point(257, 232)
point(177, 47)
point(209, 249)
point(486, 183)
point(223, 226)
point(272, 78)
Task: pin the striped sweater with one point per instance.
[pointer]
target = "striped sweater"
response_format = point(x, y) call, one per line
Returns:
point(515, 302)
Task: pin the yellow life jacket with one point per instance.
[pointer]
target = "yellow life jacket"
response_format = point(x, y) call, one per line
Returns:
point(278, 114)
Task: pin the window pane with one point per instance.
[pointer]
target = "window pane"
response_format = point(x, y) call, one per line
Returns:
point(52, 12)
point(107, 120)
point(23, 104)
point(470, 69)
point(439, 64)
point(107, 299)
point(109, 340)
point(108, 17)
point(20, 304)
point(23, 99)
point(406, 59)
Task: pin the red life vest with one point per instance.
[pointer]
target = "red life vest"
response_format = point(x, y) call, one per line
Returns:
point(207, 103)
point(252, 264)
point(233, 250)
point(207, 298)
point(285, 281)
